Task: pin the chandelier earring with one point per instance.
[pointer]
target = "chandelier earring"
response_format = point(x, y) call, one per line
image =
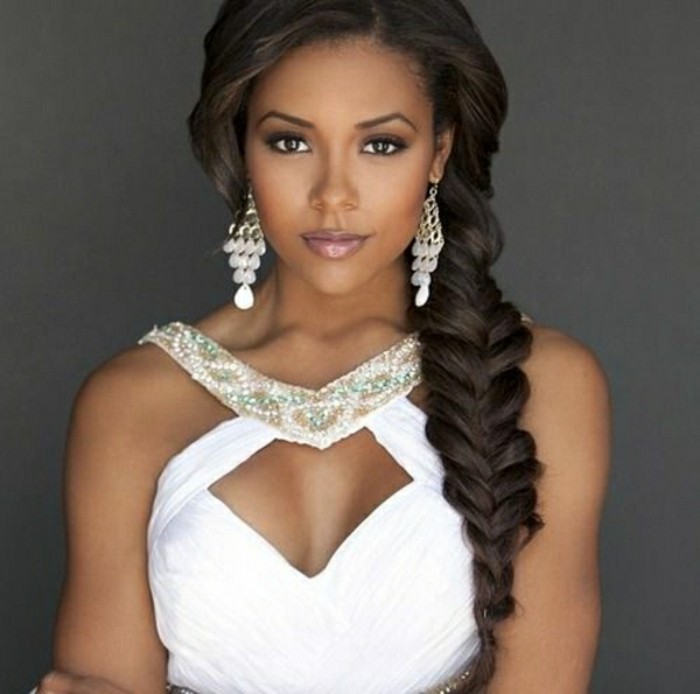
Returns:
point(246, 245)
point(427, 246)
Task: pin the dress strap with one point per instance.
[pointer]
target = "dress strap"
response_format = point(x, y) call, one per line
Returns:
point(318, 418)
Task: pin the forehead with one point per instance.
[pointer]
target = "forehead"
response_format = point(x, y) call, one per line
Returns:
point(343, 80)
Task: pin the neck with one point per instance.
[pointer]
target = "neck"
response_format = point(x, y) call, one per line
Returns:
point(286, 302)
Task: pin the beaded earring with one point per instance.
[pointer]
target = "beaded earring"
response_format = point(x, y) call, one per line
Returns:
point(427, 246)
point(246, 245)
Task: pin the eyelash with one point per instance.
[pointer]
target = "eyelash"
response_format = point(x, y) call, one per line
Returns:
point(281, 137)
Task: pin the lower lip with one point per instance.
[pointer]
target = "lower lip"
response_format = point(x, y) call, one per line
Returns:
point(334, 249)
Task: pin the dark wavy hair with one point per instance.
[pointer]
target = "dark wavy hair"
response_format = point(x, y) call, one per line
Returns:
point(472, 341)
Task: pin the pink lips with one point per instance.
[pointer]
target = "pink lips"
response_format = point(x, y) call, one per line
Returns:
point(333, 244)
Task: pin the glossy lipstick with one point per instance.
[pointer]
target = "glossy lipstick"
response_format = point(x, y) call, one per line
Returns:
point(333, 244)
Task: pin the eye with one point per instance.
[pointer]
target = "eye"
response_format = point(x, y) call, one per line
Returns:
point(285, 138)
point(385, 143)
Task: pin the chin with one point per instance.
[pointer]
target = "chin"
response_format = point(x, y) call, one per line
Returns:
point(332, 285)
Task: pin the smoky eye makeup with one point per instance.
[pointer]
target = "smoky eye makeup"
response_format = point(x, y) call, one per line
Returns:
point(396, 144)
point(273, 140)
point(380, 145)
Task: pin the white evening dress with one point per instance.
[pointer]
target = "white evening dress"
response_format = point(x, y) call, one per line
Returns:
point(390, 613)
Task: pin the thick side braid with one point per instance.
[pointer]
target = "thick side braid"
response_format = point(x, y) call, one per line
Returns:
point(472, 344)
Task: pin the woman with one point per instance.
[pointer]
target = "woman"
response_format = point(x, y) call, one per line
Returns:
point(397, 484)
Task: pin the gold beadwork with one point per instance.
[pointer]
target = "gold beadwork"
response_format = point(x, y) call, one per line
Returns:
point(445, 688)
point(318, 418)
point(449, 686)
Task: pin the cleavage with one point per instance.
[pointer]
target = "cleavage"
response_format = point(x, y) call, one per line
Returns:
point(307, 502)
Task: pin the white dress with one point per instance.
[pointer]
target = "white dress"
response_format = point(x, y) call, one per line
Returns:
point(391, 612)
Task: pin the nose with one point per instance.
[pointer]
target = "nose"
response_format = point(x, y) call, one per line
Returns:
point(334, 188)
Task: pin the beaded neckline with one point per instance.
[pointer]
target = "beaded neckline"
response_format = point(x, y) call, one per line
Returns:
point(409, 340)
point(317, 417)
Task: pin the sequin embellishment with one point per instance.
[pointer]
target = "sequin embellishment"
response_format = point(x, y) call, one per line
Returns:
point(444, 688)
point(318, 418)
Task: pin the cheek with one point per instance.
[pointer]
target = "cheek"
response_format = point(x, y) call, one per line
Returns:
point(394, 207)
point(277, 220)
point(281, 192)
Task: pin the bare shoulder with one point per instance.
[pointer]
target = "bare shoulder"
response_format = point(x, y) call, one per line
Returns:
point(131, 414)
point(139, 376)
point(569, 408)
point(556, 354)
point(550, 643)
point(143, 396)
point(126, 396)
point(119, 435)
point(133, 381)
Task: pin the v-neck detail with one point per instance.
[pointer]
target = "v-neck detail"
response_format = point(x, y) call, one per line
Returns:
point(256, 373)
point(225, 598)
point(316, 417)
point(284, 563)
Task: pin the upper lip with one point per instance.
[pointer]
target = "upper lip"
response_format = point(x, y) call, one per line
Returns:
point(332, 235)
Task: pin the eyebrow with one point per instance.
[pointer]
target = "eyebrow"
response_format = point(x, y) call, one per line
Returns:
point(360, 126)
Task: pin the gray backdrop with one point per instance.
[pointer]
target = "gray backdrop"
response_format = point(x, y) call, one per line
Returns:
point(108, 227)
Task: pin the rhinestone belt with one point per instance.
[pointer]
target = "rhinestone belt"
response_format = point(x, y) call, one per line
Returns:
point(444, 688)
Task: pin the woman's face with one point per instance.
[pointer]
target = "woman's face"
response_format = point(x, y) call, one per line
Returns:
point(315, 160)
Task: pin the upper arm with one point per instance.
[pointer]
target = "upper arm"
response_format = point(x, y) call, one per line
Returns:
point(105, 624)
point(549, 644)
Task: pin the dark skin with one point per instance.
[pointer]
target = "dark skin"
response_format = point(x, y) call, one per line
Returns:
point(313, 320)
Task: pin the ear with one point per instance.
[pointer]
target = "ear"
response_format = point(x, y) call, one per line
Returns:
point(443, 147)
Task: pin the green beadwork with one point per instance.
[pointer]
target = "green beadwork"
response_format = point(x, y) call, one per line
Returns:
point(315, 417)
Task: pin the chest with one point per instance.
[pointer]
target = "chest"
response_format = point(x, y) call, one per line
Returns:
point(389, 610)
point(305, 545)
point(307, 502)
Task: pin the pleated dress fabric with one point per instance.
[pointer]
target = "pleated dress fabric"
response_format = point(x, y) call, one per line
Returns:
point(391, 612)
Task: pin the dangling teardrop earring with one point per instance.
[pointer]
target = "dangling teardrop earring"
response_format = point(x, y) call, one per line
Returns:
point(427, 246)
point(246, 245)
